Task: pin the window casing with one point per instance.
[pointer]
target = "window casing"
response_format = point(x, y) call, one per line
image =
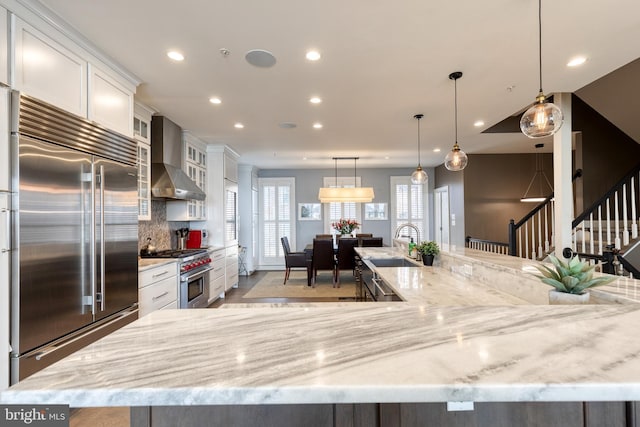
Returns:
point(408, 205)
point(277, 218)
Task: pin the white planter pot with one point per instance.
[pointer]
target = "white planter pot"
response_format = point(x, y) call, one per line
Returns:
point(556, 297)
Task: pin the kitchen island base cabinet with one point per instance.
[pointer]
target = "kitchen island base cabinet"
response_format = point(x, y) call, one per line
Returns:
point(490, 414)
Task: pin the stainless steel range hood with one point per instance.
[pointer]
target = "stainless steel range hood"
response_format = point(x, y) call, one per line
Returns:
point(168, 180)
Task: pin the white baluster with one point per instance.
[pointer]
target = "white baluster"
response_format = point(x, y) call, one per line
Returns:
point(591, 233)
point(546, 228)
point(526, 240)
point(625, 231)
point(539, 234)
point(520, 242)
point(616, 216)
point(584, 237)
point(533, 237)
point(553, 220)
point(600, 230)
point(608, 223)
point(634, 221)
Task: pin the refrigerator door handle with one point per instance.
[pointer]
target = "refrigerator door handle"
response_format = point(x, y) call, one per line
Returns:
point(101, 296)
point(6, 245)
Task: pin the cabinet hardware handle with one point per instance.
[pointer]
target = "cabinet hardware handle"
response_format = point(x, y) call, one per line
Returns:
point(160, 296)
point(160, 274)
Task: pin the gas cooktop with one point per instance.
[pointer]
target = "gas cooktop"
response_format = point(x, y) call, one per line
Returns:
point(174, 253)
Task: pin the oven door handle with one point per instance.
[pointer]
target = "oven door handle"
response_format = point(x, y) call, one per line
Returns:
point(199, 273)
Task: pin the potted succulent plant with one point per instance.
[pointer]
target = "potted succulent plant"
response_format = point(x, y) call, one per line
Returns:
point(570, 280)
point(428, 250)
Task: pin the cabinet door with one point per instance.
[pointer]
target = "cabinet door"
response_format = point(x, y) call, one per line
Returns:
point(4, 47)
point(47, 70)
point(144, 182)
point(110, 103)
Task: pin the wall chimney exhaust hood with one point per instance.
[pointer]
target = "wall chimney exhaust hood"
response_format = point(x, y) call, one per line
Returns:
point(168, 180)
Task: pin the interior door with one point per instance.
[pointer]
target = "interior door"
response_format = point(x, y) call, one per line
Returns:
point(116, 237)
point(441, 196)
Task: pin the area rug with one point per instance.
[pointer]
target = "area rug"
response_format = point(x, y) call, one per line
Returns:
point(270, 286)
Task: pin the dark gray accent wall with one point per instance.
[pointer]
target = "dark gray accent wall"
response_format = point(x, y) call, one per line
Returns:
point(308, 182)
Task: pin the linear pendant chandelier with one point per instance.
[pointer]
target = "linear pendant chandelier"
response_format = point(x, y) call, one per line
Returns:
point(345, 194)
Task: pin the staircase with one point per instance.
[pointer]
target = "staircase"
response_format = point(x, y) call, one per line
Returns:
point(605, 231)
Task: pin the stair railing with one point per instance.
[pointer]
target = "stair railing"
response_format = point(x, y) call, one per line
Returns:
point(610, 220)
point(487, 245)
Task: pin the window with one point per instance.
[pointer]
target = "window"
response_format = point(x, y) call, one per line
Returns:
point(408, 205)
point(277, 218)
point(334, 211)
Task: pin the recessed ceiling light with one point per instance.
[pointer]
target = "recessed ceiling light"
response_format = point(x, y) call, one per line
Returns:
point(436, 150)
point(317, 125)
point(313, 55)
point(577, 61)
point(215, 100)
point(238, 126)
point(175, 55)
point(478, 123)
point(315, 100)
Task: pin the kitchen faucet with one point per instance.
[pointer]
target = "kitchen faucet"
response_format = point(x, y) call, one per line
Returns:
point(406, 225)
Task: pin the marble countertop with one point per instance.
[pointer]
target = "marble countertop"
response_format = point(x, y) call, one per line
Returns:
point(147, 263)
point(364, 353)
point(424, 350)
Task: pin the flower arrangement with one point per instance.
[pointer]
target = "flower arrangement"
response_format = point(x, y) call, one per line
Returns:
point(345, 226)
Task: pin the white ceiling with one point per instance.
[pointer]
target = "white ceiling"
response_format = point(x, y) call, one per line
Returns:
point(382, 62)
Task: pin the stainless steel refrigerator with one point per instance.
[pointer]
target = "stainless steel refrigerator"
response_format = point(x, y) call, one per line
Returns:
point(74, 233)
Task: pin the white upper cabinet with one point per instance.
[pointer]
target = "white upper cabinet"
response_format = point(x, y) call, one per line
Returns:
point(110, 103)
point(4, 46)
point(47, 70)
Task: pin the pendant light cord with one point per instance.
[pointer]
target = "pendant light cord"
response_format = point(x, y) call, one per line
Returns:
point(455, 107)
point(419, 140)
point(540, 42)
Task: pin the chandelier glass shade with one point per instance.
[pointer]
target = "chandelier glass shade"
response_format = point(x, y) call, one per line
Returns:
point(543, 118)
point(456, 159)
point(419, 176)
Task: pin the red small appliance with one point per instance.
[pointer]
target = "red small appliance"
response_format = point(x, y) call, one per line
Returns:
point(194, 239)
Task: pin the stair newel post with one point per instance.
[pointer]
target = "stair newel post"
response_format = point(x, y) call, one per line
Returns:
point(512, 238)
point(625, 230)
point(546, 227)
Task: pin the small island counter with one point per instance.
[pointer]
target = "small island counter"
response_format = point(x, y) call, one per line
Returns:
point(358, 361)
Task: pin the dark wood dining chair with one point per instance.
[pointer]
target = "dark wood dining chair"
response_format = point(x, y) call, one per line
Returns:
point(371, 242)
point(323, 258)
point(345, 258)
point(292, 259)
point(324, 236)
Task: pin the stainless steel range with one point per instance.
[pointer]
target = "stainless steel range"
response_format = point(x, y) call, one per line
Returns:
point(195, 264)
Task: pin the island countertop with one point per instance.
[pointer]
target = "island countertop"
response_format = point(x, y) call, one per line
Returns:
point(352, 353)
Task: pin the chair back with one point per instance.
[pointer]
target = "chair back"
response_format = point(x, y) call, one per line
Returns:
point(346, 255)
point(365, 235)
point(324, 236)
point(323, 254)
point(285, 245)
point(371, 242)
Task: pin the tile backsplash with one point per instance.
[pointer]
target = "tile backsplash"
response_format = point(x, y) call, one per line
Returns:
point(162, 233)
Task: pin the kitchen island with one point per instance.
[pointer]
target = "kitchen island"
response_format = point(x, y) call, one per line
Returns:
point(360, 364)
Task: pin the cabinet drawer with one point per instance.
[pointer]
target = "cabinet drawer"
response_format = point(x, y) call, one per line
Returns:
point(216, 255)
point(231, 280)
point(232, 250)
point(155, 274)
point(231, 259)
point(218, 269)
point(158, 295)
point(216, 287)
point(232, 267)
point(171, 305)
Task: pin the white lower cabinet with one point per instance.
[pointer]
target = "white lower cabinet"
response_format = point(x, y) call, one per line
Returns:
point(217, 274)
point(158, 288)
point(231, 267)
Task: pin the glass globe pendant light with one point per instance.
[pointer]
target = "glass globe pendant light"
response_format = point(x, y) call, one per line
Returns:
point(456, 159)
point(418, 176)
point(543, 118)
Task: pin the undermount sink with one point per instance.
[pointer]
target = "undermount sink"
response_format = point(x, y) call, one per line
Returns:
point(393, 262)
